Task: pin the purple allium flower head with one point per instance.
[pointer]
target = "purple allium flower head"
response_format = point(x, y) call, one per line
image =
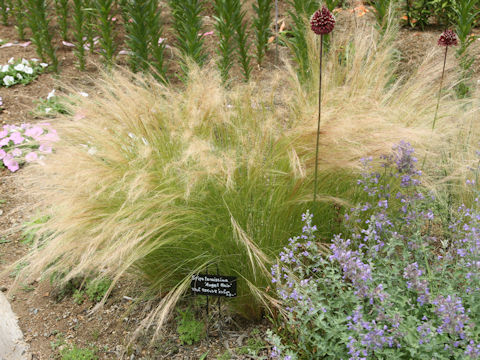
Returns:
point(448, 38)
point(322, 21)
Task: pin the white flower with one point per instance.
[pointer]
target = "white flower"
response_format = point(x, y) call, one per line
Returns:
point(19, 76)
point(51, 94)
point(5, 68)
point(43, 65)
point(11, 60)
point(19, 67)
point(28, 70)
point(25, 62)
point(8, 80)
point(47, 110)
point(35, 60)
point(84, 94)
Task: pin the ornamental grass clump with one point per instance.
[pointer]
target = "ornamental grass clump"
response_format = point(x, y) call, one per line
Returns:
point(399, 282)
point(202, 174)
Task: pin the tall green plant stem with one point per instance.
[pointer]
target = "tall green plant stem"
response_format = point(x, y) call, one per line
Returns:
point(440, 90)
point(319, 117)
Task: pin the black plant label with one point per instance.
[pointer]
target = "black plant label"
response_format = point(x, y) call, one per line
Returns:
point(214, 285)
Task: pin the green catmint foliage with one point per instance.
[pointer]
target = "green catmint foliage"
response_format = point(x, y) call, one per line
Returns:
point(62, 10)
point(261, 24)
point(187, 24)
point(104, 10)
point(20, 21)
point(41, 34)
point(79, 32)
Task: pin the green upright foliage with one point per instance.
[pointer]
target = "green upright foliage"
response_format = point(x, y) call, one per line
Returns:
point(104, 10)
point(62, 11)
point(297, 41)
point(79, 32)
point(41, 34)
point(232, 32)
point(382, 9)
point(241, 38)
point(187, 24)
point(261, 24)
point(20, 21)
point(91, 24)
point(226, 48)
point(4, 11)
point(144, 36)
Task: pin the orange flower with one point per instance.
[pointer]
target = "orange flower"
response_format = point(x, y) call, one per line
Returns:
point(361, 10)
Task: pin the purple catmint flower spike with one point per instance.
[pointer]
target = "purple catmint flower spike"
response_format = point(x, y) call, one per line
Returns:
point(322, 22)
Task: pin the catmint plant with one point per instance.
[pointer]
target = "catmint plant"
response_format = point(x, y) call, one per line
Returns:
point(321, 23)
point(104, 10)
point(62, 11)
point(79, 32)
point(187, 24)
point(261, 24)
point(390, 287)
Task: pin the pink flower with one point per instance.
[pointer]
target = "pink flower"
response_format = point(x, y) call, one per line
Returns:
point(322, 21)
point(4, 141)
point(31, 157)
point(448, 38)
point(45, 149)
point(2, 154)
point(34, 132)
point(68, 44)
point(3, 133)
point(10, 163)
point(16, 152)
point(17, 138)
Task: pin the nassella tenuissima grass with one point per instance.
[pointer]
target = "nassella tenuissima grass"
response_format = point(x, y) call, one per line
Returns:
point(38, 22)
point(79, 31)
point(104, 11)
point(187, 25)
point(62, 12)
point(400, 282)
point(261, 24)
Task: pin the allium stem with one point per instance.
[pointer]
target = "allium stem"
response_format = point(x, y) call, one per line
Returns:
point(440, 90)
point(319, 116)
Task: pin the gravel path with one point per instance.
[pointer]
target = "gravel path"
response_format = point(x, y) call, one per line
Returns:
point(12, 346)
